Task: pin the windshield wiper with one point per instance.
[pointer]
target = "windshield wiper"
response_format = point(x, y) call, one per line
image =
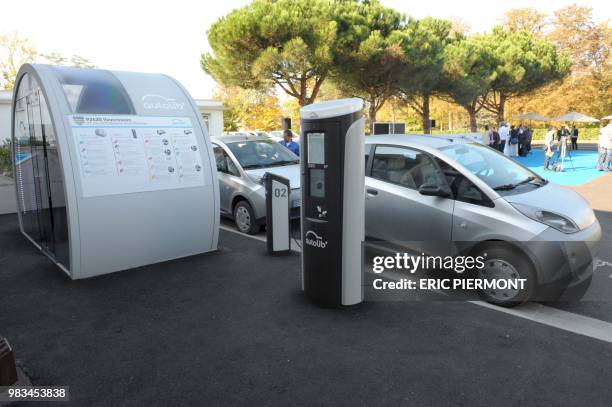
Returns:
point(250, 166)
point(290, 162)
point(504, 187)
point(282, 163)
point(527, 180)
point(507, 187)
point(538, 181)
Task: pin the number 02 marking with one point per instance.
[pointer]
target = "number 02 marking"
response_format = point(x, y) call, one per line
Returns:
point(280, 193)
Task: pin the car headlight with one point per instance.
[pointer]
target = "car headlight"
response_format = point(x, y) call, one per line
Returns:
point(554, 220)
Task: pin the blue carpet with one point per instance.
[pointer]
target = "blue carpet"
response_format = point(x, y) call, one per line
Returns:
point(584, 167)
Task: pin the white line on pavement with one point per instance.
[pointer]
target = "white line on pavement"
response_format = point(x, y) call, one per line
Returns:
point(230, 229)
point(294, 245)
point(556, 318)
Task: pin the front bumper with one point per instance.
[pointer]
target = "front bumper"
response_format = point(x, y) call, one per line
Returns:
point(564, 262)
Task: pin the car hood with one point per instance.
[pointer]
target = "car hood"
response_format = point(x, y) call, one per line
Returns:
point(557, 199)
point(291, 172)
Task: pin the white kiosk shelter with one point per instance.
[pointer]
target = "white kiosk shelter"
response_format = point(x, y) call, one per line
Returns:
point(113, 170)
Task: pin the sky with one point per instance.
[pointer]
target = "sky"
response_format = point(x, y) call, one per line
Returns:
point(169, 37)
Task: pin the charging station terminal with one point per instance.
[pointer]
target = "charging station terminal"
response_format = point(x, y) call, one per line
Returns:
point(333, 201)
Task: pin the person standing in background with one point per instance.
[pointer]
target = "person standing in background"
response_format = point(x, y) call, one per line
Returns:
point(522, 140)
point(548, 141)
point(514, 142)
point(562, 133)
point(604, 161)
point(574, 137)
point(496, 140)
point(504, 133)
point(488, 136)
point(288, 142)
point(528, 138)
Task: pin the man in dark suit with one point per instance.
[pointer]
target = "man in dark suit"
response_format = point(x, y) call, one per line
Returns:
point(574, 137)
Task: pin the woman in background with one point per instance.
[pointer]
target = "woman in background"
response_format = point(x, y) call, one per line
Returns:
point(513, 141)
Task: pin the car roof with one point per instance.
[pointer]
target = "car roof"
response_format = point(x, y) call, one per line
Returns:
point(411, 140)
point(230, 138)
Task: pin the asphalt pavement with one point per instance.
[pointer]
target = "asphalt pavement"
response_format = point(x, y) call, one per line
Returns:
point(233, 328)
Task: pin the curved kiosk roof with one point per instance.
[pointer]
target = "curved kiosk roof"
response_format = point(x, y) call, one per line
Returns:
point(114, 170)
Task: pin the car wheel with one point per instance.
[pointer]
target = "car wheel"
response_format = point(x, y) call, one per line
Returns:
point(506, 262)
point(244, 218)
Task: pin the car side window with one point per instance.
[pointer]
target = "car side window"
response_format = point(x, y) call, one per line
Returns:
point(231, 167)
point(405, 166)
point(463, 189)
point(224, 162)
point(220, 159)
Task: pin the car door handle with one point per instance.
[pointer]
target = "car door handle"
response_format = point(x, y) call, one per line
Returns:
point(371, 191)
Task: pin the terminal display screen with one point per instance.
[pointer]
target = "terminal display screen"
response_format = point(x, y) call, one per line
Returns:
point(316, 148)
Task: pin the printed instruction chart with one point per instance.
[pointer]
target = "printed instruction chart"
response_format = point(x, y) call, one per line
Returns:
point(124, 154)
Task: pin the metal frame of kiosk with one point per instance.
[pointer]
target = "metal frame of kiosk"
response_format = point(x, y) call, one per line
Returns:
point(333, 201)
point(113, 170)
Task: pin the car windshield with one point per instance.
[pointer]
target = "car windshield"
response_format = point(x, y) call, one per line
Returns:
point(261, 154)
point(498, 171)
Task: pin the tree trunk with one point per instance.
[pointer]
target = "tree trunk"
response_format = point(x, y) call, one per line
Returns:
point(501, 107)
point(372, 114)
point(425, 114)
point(472, 112)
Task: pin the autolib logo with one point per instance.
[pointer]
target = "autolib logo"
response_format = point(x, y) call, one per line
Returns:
point(159, 102)
point(314, 240)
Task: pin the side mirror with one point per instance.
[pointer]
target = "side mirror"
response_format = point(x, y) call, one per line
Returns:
point(434, 190)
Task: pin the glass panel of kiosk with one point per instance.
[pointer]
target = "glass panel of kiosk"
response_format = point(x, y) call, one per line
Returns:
point(41, 197)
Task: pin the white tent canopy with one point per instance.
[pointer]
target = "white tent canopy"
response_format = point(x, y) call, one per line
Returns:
point(607, 117)
point(575, 117)
point(531, 116)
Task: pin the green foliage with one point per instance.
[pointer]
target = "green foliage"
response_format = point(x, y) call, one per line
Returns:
point(524, 63)
point(231, 119)
point(422, 73)
point(6, 164)
point(586, 134)
point(371, 51)
point(469, 69)
point(424, 44)
point(287, 43)
point(370, 57)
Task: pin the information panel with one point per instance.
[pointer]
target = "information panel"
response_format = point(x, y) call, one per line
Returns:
point(125, 154)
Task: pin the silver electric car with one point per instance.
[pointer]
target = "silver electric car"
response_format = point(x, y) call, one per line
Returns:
point(426, 188)
point(242, 160)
